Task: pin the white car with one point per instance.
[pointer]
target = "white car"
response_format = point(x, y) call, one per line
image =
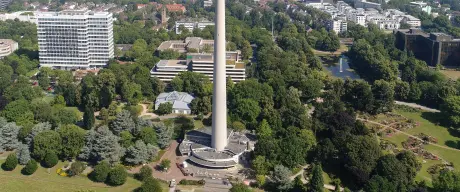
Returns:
point(172, 183)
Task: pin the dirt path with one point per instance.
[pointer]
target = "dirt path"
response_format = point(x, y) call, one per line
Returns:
point(399, 131)
point(145, 112)
point(417, 106)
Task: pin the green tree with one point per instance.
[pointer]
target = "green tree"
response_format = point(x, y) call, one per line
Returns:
point(100, 172)
point(30, 167)
point(238, 126)
point(6, 73)
point(281, 178)
point(43, 78)
point(361, 155)
point(18, 111)
point(165, 164)
point(246, 50)
point(240, 187)
point(451, 110)
point(117, 176)
point(76, 168)
point(144, 173)
point(131, 92)
point(150, 185)
point(446, 181)
point(264, 130)
point(46, 142)
point(10, 163)
point(73, 139)
point(380, 184)
point(383, 96)
point(88, 118)
point(50, 160)
point(164, 109)
point(123, 122)
point(148, 135)
point(260, 165)
point(126, 139)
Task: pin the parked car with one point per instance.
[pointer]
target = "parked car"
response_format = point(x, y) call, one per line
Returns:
point(172, 183)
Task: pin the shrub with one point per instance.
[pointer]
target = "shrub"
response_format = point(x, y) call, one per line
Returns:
point(117, 176)
point(134, 110)
point(30, 168)
point(191, 182)
point(165, 164)
point(144, 173)
point(51, 159)
point(10, 163)
point(76, 168)
point(150, 185)
point(100, 172)
point(61, 172)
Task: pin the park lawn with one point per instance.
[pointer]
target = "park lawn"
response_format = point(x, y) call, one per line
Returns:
point(423, 174)
point(397, 138)
point(451, 74)
point(32, 73)
point(446, 154)
point(41, 180)
point(427, 127)
point(198, 124)
point(326, 178)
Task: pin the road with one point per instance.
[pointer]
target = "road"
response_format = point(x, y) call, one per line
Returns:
point(417, 106)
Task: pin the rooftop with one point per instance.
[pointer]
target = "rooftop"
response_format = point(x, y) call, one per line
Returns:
point(172, 63)
point(180, 100)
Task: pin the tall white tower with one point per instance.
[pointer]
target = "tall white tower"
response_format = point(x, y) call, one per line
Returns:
point(219, 102)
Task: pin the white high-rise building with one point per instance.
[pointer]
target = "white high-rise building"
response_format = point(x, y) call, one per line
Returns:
point(75, 39)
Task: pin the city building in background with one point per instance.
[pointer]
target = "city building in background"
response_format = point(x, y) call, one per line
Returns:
point(7, 46)
point(433, 48)
point(75, 39)
point(338, 25)
point(422, 5)
point(192, 44)
point(203, 63)
point(191, 25)
point(4, 3)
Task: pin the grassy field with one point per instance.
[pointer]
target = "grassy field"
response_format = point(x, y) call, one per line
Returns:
point(42, 180)
point(451, 74)
point(427, 127)
point(343, 48)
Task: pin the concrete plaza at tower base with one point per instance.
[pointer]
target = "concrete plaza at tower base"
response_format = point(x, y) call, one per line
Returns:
point(197, 146)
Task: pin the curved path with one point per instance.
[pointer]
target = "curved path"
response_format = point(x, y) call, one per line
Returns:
point(399, 131)
point(417, 106)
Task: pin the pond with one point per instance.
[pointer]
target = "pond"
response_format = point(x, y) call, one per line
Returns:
point(332, 64)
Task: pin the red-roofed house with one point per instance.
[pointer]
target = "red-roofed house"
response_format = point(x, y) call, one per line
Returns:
point(176, 8)
point(141, 6)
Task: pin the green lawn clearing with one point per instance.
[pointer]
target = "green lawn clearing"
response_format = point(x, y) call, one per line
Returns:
point(427, 127)
point(50, 181)
point(397, 138)
point(423, 173)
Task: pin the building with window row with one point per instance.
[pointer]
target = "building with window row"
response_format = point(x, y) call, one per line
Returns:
point(433, 48)
point(75, 39)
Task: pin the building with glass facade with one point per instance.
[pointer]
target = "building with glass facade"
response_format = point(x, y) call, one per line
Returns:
point(433, 48)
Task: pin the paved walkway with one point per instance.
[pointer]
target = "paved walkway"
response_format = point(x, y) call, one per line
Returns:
point(402, 132)
point(417, 106)
point(173, 172)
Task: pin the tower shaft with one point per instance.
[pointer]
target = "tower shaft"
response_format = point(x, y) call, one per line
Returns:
point(219, 102)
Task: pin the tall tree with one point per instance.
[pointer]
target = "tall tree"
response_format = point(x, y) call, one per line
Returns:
point(46, 142)
point(317, 182)
point(88, 118)
point(101, 144)
point(140, 153)
point(9, 136)
point(164, 135)
point(281, 177)
point(123, 122)
point(73, 139)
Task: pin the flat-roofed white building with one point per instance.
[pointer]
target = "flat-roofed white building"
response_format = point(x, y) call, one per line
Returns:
point(338, 26)
point(388, 25)
point(25, 16)
point(7, 46)
point(166, 70)
point(204, 64)
point(191, 25)
point(412, 21)
point(75, 39)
